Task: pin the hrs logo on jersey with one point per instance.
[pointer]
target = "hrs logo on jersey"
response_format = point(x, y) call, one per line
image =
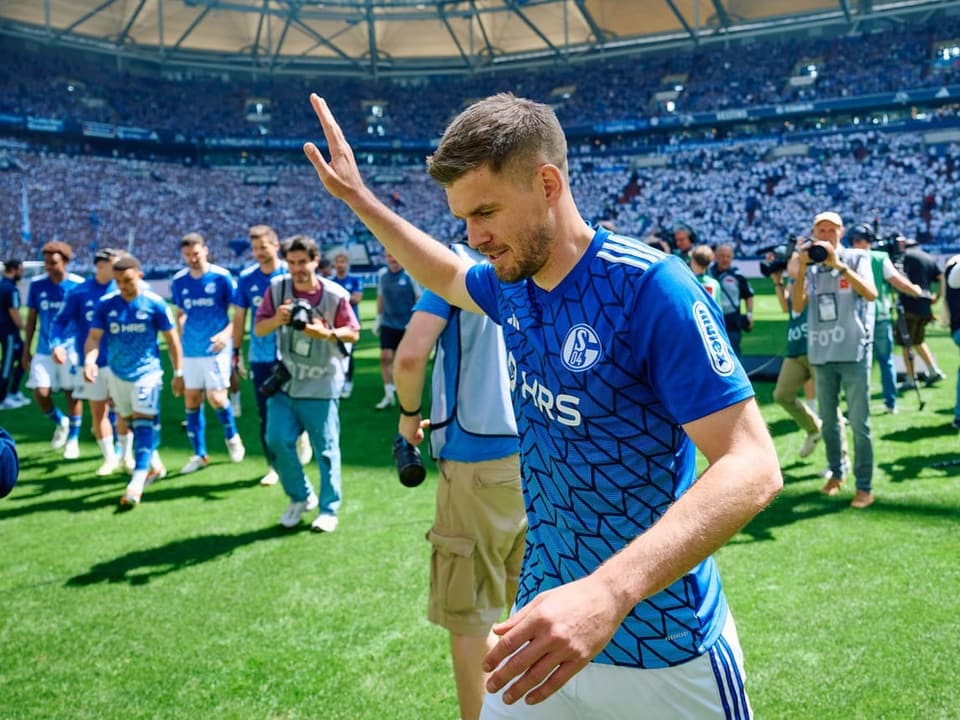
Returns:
point(713, 340)
point(559, 407)
point(581, 348)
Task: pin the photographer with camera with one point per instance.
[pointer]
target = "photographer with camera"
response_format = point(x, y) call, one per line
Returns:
point(734, 292)
point(313, 319)
point(921, 268)
point(480, 524)
point(836, 283)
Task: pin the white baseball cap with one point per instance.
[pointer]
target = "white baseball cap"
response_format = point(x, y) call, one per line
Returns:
point(830, 217)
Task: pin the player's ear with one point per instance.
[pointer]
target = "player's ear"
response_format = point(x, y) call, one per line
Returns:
point(552, 181)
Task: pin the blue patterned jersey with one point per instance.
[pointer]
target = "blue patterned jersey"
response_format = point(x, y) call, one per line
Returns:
point(73, 320)
point(251, 285)
point(352, 284)
point(205, 301)
point(131, 332)
point(604, 369)
point(46, 297)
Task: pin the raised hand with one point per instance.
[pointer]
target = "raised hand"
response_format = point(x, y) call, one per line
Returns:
point(340, 176)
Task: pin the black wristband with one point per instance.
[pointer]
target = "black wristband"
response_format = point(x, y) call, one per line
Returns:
point(236, 352)
point(408, 413)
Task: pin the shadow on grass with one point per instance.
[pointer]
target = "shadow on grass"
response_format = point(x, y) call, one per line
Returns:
point(141, 566)
point(786, 510)
point(909, 468)
point(922, 432)
point(164, 490)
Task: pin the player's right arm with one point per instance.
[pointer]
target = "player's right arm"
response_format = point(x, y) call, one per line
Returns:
point(175, 351)
point(410, 368)
point(91, 352)
point(431, 264)
point(28, 337)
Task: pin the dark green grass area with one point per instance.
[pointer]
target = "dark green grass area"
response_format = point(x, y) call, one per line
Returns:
point(197, 605)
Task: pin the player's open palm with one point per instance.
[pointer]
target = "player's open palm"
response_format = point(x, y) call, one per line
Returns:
point(340, 176)
point(563, 629)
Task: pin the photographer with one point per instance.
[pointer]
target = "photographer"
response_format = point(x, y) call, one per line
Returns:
point(734, 291)
point(837, 284)
point(921, 268)
point(313, 319)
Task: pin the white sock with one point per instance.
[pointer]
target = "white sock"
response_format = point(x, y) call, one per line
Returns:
point(389, 389)
point(135, 486)
point(106, 447)
point(126, 446)
point(155, 462)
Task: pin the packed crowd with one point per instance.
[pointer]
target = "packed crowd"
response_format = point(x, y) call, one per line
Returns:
point(735, 194)
point(712, 77)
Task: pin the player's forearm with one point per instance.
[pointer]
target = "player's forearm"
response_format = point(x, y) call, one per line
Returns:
point(408, 377)
point(720, 503)
point(237, 323)
point(264, 326)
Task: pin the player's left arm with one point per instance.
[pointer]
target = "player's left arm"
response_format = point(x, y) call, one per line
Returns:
point(175, 351)
point(568, 626)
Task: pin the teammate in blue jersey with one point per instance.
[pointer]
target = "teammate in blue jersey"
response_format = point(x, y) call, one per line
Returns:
point(130, 319)
point(44, 300)
point(203, 293)
point(353, 285)
point(620, 370)
point(251, 285)
point(68, 337)
point(11, 336)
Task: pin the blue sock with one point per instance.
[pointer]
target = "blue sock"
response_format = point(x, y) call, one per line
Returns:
point(56, 417)
point(196, 431)
point(225, 416)
point(112, 417)
point(156, 432)
point(75, 422)
point(142, 442)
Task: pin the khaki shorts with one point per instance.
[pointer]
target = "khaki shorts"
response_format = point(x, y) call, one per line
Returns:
point(916, 325)
point(478, 544)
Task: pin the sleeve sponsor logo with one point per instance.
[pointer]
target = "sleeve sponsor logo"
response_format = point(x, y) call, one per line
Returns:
point(713, 341)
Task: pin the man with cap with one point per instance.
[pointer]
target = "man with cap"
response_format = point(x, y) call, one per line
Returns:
point(837, 285)
point(885, 275)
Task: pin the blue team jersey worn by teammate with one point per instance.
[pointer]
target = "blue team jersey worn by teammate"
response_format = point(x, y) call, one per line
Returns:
point(251, 285)
point(75, 316)
point(46, 297)
point(604, 370)
point(205, 300)
point(350, 283)
point(131, 332)
point(9, 300)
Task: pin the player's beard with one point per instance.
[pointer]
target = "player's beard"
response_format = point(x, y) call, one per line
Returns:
point(530, 252)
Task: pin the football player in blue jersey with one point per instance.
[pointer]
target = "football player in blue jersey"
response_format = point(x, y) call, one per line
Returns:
point(353, 285)
point(44, 300)
point(69, 335)
point(620, 370)
point(203, 293)
point(130, 319)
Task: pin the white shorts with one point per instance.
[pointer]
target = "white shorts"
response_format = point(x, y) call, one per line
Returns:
point(140, 397)
point(710, 687)
point(98, 390)
point(45, 373)
point(207, 373)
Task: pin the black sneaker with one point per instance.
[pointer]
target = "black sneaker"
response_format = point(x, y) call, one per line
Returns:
point(934, 378)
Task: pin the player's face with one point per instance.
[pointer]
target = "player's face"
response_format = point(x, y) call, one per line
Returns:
point(195, 256)
point(104, 272)
point(128, 282)
point(682, 238)
point(507, 220)
point(265, 250)
point(341, 265)
point(54, 266)
point(303, 270)
point(393, 264)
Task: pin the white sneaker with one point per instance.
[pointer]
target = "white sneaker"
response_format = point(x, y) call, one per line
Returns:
point(71, 451)
point(271, 478)
point(809, 443)
point(236, 449)
point(347, 390)
point(387, 401)
point(60, 434)
point(19, 399)
point(325, 523)
point(291, 516)
point(193, 464)
point(109, 467)
point(129, 464)
point(154, 474)
point(312, 501)
point(9, 404)
point(304, 449)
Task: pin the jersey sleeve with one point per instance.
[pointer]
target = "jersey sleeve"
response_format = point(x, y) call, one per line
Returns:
point(483, 286)
point(32, 296)
point(241, 296)
point(432, 303)
point(162, 314)
point(684, 350)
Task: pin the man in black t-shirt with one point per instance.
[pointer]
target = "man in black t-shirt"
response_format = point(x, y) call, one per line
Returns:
point(922, 269)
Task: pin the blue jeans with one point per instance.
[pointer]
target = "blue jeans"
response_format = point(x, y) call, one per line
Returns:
point(288, 417)
point(883, 354)
point(854, 378)
point(260, 371)
point(956, 409)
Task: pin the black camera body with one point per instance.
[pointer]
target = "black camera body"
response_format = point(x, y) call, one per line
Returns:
point(301, 313)
point(275, 381)
point(781, 256)
point(409, 463)
point(817, 253)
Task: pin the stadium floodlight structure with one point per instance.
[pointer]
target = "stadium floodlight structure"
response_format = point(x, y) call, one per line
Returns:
point(410, 37)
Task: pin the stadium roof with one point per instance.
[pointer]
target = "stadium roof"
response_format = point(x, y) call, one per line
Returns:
point(373, 37)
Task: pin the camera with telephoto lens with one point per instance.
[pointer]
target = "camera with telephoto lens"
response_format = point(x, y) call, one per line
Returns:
point(781, 256)
point(301, 313)
point(409, 463)
point(817, 253)
point(278, 376)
